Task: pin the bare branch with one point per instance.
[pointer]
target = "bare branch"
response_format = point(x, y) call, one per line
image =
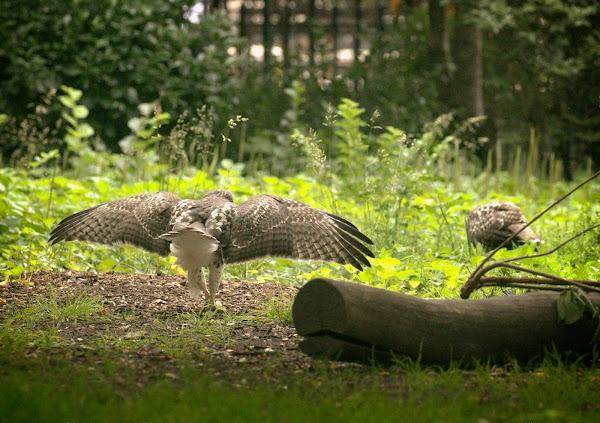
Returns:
point(525, 286)
point(533, 283)
point(505, 280)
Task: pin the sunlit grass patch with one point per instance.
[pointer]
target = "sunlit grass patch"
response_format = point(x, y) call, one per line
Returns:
point(56, 310)
point(278, 309)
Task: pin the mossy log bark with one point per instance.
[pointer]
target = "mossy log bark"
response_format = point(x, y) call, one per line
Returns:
point(353, 322)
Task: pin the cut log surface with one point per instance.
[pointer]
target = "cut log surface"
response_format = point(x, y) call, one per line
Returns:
point(355, 322)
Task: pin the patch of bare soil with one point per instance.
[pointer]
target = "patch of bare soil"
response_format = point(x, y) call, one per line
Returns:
point(160, 304)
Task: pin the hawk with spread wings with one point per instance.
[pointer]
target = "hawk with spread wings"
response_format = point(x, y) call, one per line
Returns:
point(213, 231)
point(491, 224)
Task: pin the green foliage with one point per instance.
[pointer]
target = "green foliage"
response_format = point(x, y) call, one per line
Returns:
point(393, 81)
point(572, 305)
point(542, 59)
point(121, 53)
point(78, 132)
point(409, 193)
point(144, 129)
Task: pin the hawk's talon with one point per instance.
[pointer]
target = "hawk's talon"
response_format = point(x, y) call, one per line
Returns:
point(216, 307)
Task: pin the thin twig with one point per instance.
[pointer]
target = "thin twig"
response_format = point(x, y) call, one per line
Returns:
point(556, 288)
point(475, 281)
point(502, 280)
point(539, 215)
point(560, 280)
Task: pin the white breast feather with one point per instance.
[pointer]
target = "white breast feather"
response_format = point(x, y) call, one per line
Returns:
point(191, 245)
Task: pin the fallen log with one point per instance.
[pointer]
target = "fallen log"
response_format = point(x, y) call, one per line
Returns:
point(353, 322)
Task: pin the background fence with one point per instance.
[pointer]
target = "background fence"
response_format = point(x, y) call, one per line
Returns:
point(297, 32)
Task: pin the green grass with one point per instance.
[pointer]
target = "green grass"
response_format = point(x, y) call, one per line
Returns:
point(37, 324)
point(50, 307)
point(279, 310)
point(70, 392)
point(148, 375)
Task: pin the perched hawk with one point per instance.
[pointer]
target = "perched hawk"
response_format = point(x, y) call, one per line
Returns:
point(214, 231)
point(491, 224)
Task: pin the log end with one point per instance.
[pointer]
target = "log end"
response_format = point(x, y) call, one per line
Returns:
point(319, 307)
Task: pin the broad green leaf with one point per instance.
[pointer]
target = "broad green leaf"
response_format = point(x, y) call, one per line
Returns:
point(414, 283)
point(146, 109)
point(571, 306)
point(72, 92)
point(67, 101)
point(107, 264)
point(69, 118)
point(80, 112)
point(85, 130)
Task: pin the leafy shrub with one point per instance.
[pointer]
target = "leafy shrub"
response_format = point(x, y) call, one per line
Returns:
point(121, 53)
point(542, 61)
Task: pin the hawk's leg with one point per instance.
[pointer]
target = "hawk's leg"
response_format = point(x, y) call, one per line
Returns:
point(214, 280)
point(197, 283)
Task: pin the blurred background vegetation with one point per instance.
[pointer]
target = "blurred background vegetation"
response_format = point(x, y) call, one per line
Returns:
point(530, 67)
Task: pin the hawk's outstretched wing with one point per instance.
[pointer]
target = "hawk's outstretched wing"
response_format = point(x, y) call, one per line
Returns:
point(137, 220)
point(268, 225)
point(491, 224)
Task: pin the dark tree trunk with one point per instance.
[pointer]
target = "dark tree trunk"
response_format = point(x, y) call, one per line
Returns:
point(468, 79)
point(267, 35)
point(310, 18)
point(354, 322)
point(439, 46)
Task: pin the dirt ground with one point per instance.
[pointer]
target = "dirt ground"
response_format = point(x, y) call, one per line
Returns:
point(143, 300)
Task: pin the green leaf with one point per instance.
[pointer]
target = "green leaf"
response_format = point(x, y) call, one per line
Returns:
point(146, 109)
point(72, 92)
point(44, 158)
point(80, 112)
point(135, 124)
point(85, 130)
point(162, 118)
point(414, 283)
point(107, 264)
point(67, 101)
point(571, 306)
point(69, 118)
